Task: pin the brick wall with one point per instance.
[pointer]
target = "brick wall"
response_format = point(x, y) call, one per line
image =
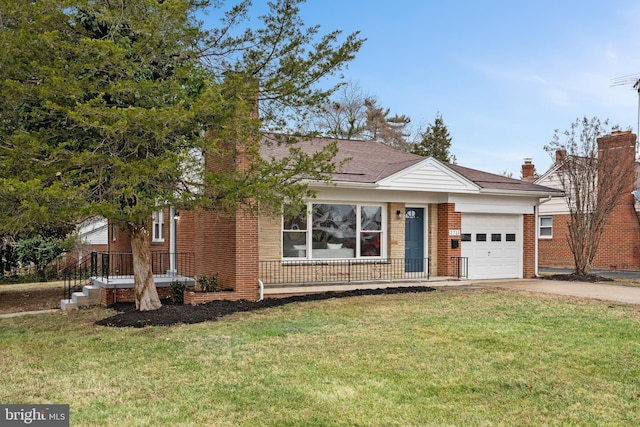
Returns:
point(270, 237)
point(111, 296)
point(119, 240)
point(227, 245)
point(186, 232)
point(619, 247)
point(555, 252)
point(396, 235)
point(195, 298)
point(432, 251)
point(448, 219)
point(620, 244)
point(529, 246)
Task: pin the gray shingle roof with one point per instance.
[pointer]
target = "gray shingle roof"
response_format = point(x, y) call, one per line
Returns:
point(498, 182)
point(371, 161)
point(366, 161)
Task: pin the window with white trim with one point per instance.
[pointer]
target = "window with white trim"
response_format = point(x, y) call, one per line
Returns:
point(158, 226)
point(334, 231)
point(294, 236)
point(546, 227)
point(370, 231)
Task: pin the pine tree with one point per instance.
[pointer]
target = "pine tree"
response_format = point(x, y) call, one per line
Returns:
point(381, 127)
point(435, 142)
point(108, 108)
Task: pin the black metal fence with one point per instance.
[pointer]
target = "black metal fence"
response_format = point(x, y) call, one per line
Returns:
point(460, 267)
point(343, 271)
point(120, 264)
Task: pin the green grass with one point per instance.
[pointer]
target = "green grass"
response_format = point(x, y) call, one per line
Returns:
point(483, 357)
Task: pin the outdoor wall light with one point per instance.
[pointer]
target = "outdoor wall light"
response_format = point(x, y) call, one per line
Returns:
point(399, 213)
point(176, 215)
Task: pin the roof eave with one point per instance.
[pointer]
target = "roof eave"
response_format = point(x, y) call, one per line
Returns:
point(340, 184)
point(522, 193)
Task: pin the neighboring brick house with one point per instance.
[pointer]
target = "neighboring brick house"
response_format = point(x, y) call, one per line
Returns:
point(620, 243)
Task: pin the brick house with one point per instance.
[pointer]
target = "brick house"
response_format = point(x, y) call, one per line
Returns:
point(384, 207)
point(620, 244)
point(386, 217)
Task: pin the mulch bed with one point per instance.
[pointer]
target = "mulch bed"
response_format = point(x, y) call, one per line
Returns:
point(573, 277)
point(172, 314)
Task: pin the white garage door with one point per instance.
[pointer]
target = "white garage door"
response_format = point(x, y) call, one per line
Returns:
point(493, 245)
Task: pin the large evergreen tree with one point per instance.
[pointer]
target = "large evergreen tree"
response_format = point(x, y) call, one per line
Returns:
point(435, 142)
point(108, 107)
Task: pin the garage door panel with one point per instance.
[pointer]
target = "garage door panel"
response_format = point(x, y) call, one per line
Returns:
point(498, 256)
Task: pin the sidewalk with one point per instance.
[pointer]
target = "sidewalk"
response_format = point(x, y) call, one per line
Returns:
point(597, 291)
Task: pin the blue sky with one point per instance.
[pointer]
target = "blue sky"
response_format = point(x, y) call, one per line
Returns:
point(503, 74)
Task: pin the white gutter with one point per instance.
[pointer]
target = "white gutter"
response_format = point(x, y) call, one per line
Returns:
point(340, 184)
point(536, 228)
point(496, 192)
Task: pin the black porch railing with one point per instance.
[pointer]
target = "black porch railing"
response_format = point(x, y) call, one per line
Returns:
point(120, 264)
point(460, 267)
point(76, 276)
point(343, 271)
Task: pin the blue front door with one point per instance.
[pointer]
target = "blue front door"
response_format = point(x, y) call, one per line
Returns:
point(414, 240)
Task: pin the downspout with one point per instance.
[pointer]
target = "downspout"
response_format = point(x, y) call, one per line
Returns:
point(261, 290)
point(537, 229)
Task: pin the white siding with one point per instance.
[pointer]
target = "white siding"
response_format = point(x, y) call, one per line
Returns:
point(493, 204)
point(93, 231)
point(555, 205)
point(428, 175)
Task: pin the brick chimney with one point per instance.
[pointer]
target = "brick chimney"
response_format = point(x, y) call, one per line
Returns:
point(561, 155)
point(528, 171)
point(618, 150)
point(618, 140)
point(226, 243)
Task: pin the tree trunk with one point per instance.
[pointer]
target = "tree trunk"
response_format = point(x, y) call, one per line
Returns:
point(145, 289)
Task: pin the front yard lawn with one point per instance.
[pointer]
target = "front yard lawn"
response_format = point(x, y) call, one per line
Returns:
point(453, 357)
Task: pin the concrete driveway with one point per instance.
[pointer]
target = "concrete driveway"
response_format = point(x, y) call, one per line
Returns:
point(597, 291)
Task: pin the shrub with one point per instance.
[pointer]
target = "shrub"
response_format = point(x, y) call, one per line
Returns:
point(208, 283)
point(177, 291)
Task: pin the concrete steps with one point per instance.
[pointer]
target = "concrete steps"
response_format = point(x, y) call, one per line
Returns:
point(90, 295)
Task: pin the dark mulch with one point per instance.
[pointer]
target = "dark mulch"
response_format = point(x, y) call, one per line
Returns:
point(573, 277)
point(172, 314)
